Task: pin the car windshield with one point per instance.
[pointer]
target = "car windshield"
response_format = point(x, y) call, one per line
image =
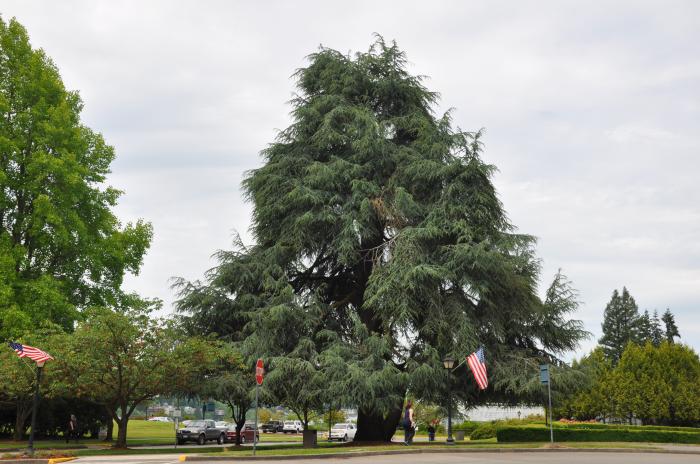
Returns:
point(288, 422)
point(340, 426)
point(197, 424)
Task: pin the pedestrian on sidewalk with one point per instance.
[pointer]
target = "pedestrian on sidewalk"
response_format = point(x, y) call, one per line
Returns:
point(409, 424)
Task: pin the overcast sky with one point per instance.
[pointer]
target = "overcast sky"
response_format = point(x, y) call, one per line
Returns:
point(591, 111)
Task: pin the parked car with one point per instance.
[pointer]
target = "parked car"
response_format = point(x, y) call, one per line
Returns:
point(292, 426)
point(160, 419)
point(343, 432)
point(247, 434)
point(201, 431)
point(272, 427)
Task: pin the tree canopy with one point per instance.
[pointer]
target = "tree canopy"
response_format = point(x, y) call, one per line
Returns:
point(123, 358)
point(381, 246)
point(61, 246)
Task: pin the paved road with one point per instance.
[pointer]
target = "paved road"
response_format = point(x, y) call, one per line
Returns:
point(443, 458)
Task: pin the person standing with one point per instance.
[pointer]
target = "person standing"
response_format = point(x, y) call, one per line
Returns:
point(431, 432)
point(409, 424)
point(72, 428)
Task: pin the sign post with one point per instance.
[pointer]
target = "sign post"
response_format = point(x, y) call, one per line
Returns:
point(259, 376)
point(176, 421)
point(544, 378)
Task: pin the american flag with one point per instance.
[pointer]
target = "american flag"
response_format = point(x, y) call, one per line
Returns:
point(26, 351)
point(477, 365)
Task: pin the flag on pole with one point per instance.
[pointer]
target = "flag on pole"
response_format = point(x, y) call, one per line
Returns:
point(478, 366)
point(26, 351)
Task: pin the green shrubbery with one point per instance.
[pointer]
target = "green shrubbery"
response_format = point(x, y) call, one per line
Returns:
point(483, 431)
point(467, 427)
point(596, 425)
point(604, 433)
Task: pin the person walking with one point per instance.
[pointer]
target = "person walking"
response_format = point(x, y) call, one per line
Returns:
point(409, 424)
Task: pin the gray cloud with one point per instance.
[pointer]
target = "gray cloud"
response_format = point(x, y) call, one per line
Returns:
point(591, 111)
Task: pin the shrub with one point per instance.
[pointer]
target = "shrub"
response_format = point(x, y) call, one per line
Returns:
point(541, 433)
point(597, 425)
point(486, 430)
point(467, 427)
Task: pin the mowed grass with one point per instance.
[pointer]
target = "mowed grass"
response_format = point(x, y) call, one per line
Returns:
point(46, 444)
point(139, 433)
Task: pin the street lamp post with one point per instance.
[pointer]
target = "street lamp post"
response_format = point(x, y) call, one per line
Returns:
point(448, 363)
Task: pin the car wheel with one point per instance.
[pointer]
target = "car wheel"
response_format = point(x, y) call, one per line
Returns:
point(345, 438)
point(181, 442)
point(201, 440)
point(221, 439)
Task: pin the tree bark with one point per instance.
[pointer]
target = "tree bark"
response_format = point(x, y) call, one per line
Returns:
point(374, 426)
point(23, 411)
point(121, 432)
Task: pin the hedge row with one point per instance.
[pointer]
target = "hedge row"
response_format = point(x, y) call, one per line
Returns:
point(592, 425)
point(525, 434)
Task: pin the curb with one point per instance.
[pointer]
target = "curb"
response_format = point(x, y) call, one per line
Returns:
point(36, 460)
point(348, 455)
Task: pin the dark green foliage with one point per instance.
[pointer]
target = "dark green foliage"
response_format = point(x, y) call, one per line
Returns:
point(483, 431)
point(670, 324)
point(61, 247)
point(639, 434)
point(619, 324)
point(380, 247)
point(644, 328)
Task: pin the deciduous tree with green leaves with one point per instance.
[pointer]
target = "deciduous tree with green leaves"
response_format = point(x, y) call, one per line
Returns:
point(123, 358)
point(61, 246)
point(380, 240)
point(18, 378)
point(299, 385)
point(231, 382)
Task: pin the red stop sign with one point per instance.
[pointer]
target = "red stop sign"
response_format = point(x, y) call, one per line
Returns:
point(259, 371)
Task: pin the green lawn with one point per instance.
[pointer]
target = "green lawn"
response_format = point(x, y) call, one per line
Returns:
point(47, 444)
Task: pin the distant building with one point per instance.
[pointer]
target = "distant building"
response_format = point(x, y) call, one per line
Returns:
point(494, 412)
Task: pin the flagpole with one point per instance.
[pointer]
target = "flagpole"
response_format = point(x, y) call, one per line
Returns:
point(35, 406)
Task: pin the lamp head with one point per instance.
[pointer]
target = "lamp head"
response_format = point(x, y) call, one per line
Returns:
point(448, 362)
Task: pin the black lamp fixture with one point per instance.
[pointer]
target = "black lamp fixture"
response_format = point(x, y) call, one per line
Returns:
point(448, 363)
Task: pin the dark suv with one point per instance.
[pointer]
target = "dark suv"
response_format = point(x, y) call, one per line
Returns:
point(272, 427)
point(201, 431)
